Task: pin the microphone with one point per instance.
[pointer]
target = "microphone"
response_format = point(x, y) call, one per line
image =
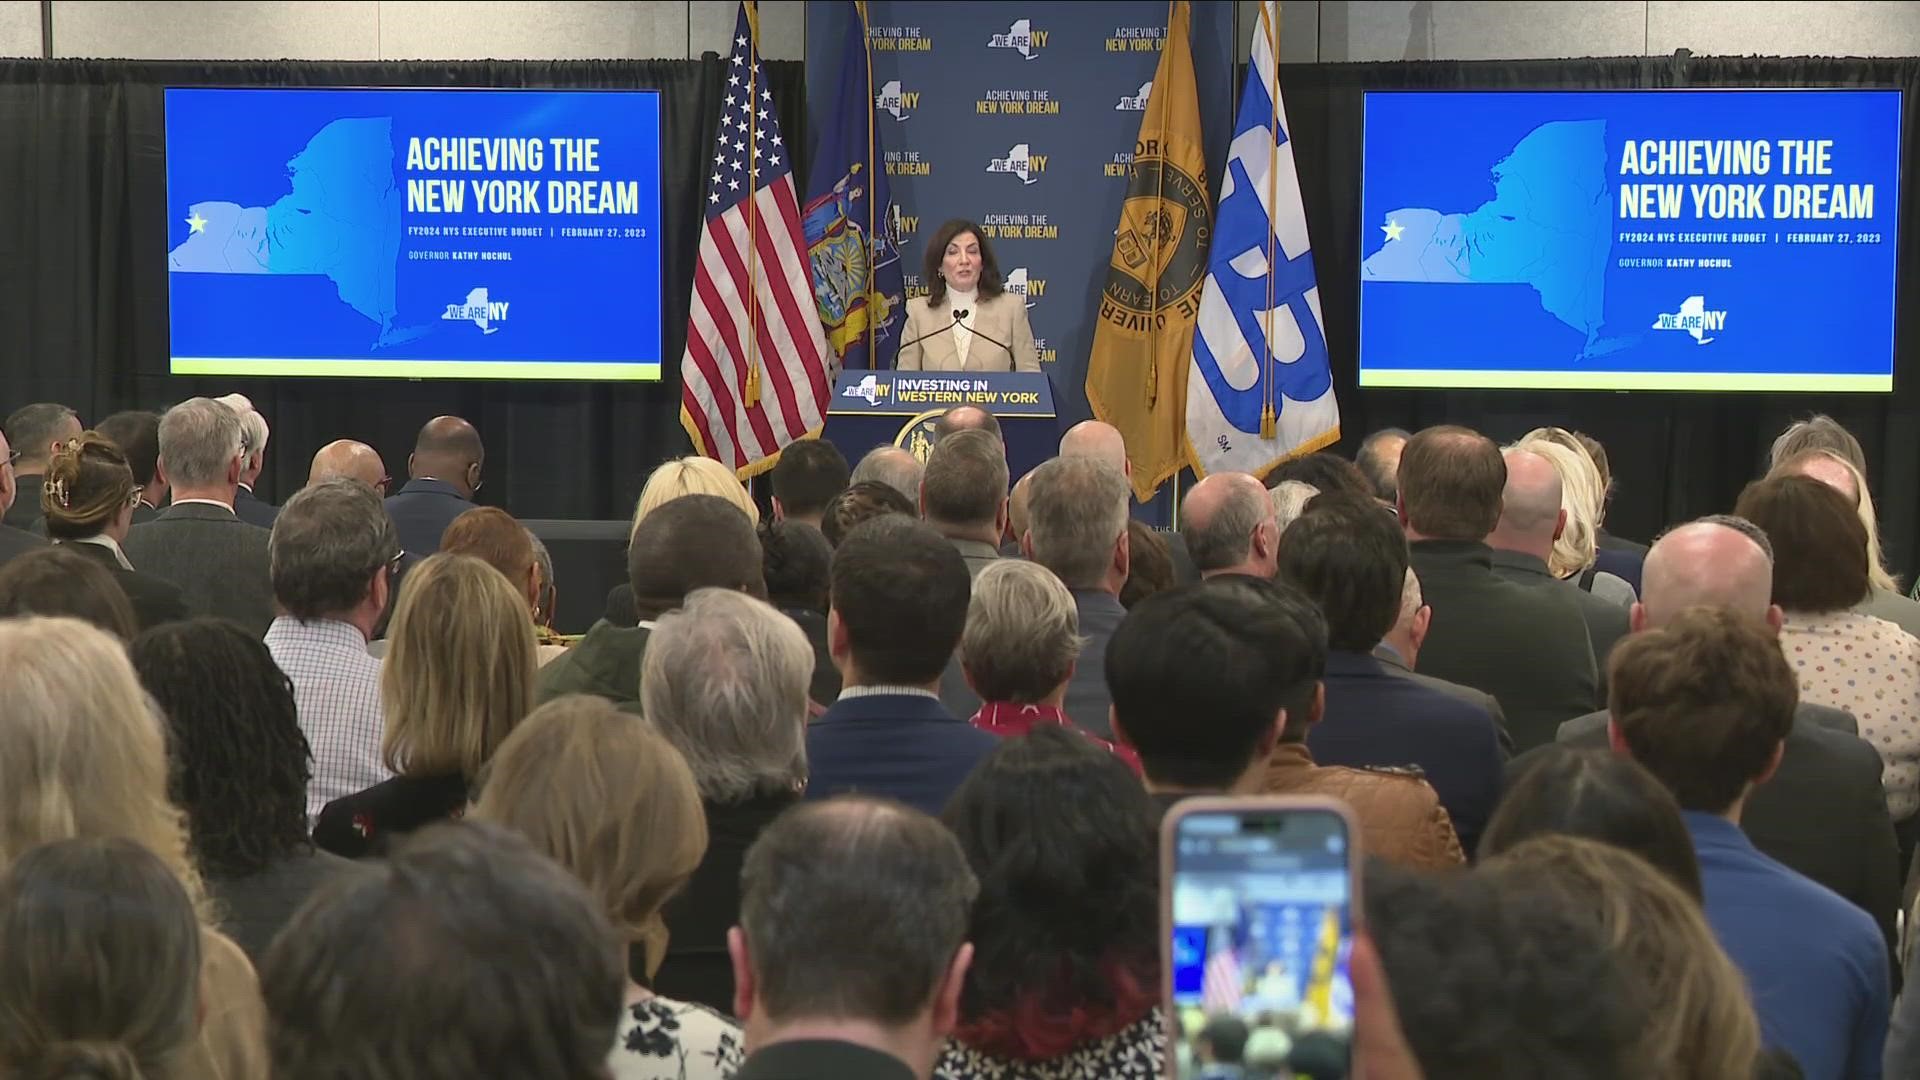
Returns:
point(957, 316)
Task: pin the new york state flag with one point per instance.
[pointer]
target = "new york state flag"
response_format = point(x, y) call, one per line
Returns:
point(1260, 390)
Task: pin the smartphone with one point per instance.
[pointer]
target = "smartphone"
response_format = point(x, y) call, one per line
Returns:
point(1257, 905)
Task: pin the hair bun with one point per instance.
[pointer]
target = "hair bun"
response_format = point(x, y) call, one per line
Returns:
point(84, 1059)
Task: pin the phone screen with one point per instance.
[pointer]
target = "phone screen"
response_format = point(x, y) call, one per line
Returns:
point(1262, 930)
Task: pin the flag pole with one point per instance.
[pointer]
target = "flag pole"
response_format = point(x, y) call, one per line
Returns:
point(1269, 16)
point(1153, 267)
point(751, 395)
point(873, 187)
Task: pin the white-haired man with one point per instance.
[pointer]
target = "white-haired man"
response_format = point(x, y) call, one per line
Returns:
point(254, 434)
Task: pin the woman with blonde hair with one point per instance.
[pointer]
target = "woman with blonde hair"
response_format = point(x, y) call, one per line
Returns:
point(1583, 497)
point(691, 475)
point(83, 756)
point(1700, 1025)
point(606, 796)
point(88, 496)
point(459, 675)
point(106, 988)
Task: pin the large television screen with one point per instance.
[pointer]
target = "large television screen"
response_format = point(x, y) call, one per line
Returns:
point(493, 234)
point(1630, 240)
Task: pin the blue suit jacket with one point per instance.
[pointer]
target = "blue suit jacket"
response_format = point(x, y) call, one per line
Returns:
point(896, 745)
point(421, 512)
point(1376, 717)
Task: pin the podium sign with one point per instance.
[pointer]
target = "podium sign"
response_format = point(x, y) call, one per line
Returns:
point(899, 408)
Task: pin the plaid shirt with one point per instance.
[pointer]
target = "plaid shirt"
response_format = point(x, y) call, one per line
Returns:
point(336, 687)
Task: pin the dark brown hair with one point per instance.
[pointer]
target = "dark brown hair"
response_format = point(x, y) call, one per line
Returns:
point(55, 581)
point(1149, 564)
point(860, 503)
point(1819, 544)
point(86, 485)
point(1703, 702)
point(937, 252)
point(1451, 481)
point(1601, 796)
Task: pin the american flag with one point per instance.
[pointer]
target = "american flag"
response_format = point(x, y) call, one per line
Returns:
point(1223, 982)
point(755, 375)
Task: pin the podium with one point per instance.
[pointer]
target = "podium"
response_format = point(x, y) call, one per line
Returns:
point(898, 408)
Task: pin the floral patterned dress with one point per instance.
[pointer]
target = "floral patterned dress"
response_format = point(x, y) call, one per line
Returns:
point(663, 1039)
point(1136, 1053)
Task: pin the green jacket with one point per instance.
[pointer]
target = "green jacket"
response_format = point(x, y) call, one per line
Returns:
point(606, 663)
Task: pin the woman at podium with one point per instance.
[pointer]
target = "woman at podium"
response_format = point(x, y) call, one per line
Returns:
point(967, 321)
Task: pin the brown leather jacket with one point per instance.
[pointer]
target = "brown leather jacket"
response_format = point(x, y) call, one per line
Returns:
point(1401, 819)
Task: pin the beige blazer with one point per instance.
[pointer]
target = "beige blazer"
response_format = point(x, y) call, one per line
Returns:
point(1001, 319)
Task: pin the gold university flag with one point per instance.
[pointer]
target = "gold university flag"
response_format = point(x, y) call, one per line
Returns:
point(1137, 376)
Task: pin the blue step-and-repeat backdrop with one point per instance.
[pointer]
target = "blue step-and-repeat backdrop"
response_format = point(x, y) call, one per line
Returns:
point(1022, 117)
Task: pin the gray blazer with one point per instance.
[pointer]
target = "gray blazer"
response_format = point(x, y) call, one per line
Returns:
point(219, 562)
point(1823, 814)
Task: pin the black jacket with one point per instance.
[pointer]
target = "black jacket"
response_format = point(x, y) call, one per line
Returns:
point(1377, 718)
point(254, 510)
point(1526, 647)
point(421, 512)
point(368, 823)
point(25, 511)
point(155, 600)
point(696, 967)
point(1607, 622)
point(1823, 813)
point(17, 542)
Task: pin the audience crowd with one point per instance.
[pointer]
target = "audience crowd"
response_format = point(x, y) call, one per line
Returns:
point(872, 784)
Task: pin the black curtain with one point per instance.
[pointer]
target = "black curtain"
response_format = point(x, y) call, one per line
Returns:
point(83, 301)
point(1674, 455)
point(83, 288)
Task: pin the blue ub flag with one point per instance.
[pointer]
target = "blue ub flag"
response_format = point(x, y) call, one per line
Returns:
point(850, 220)
point(1260, 390)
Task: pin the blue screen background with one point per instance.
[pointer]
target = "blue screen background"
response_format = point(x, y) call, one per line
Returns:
point(1790, 308)
point(570, 298)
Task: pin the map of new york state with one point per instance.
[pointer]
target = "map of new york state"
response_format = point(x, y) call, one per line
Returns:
point(1549, 226)
point(340, 220)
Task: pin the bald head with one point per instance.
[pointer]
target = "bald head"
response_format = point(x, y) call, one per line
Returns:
point(892, 466)
point(1097, 440)
point(1530, 515)
point(1705, 564)
point(966, 418)
point(448, 449)
point(354, 460)
point(1228, 521)
point(1017, 503)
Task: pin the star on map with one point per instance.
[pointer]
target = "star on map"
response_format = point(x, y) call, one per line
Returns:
point(1393, 229)
point(196, 223)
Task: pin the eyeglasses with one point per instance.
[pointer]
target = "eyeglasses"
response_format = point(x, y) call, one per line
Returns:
point(383, 483)
point(12, 456)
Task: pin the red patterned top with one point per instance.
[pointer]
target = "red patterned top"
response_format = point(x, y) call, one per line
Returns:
point(1009, 720)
